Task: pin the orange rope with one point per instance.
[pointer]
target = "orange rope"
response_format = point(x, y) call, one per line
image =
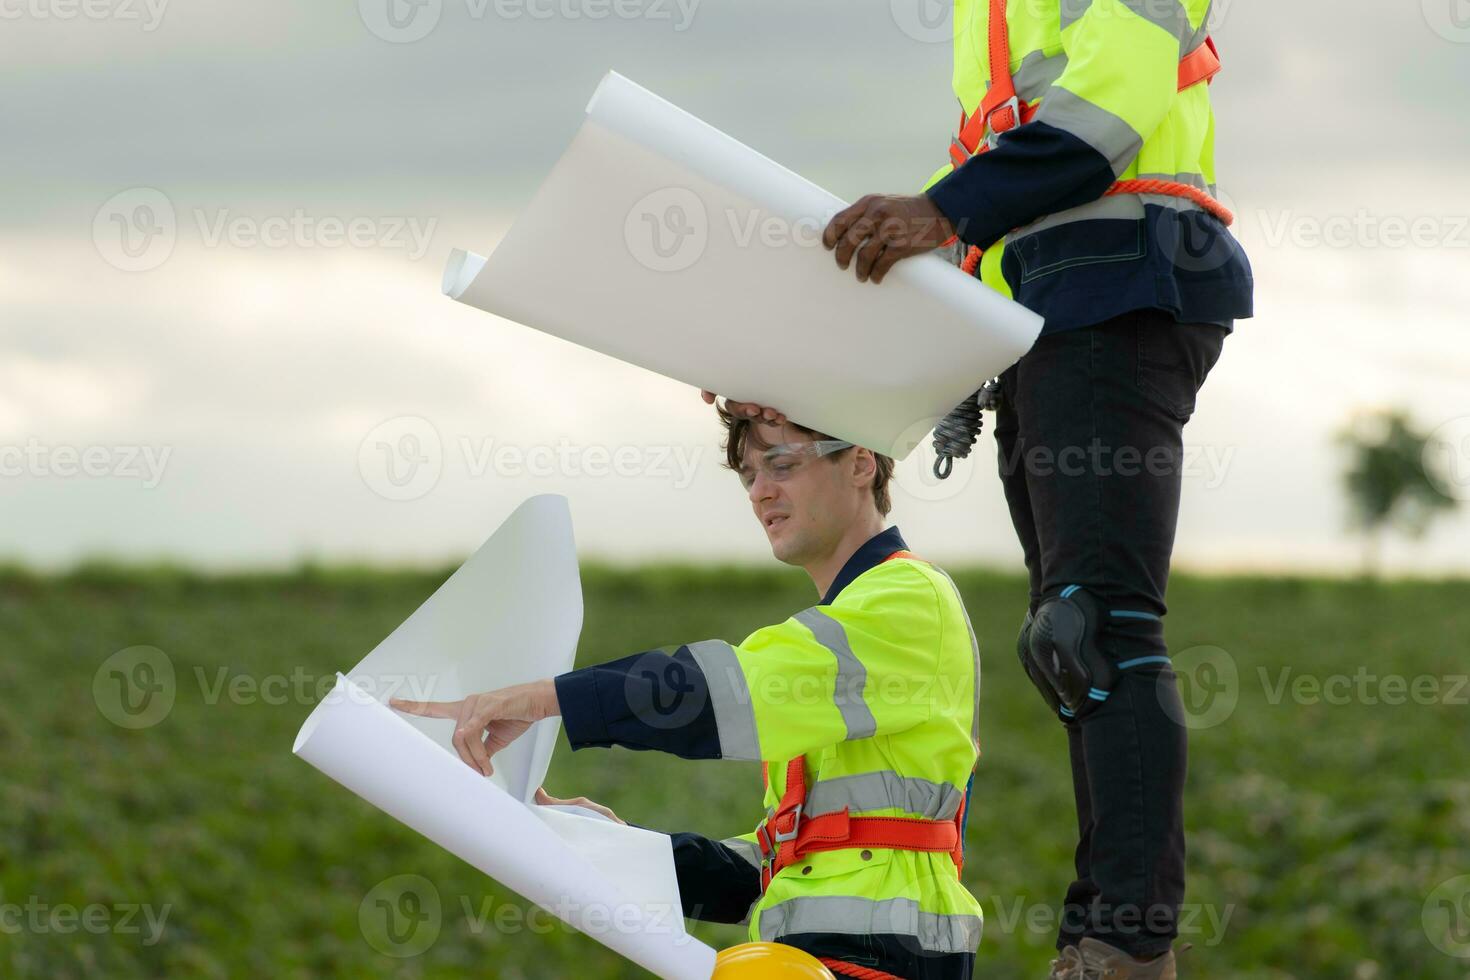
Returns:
point(861, 972)
point(1171, 188)
point(972, 260)
point(1167, 188)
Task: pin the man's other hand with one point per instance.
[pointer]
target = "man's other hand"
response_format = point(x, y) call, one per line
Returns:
point(544, 798)
point(879, 230)
point(747, 410)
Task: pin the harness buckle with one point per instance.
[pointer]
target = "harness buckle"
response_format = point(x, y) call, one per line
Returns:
point(779, 837)
point(1014, 105)
point(767, 836)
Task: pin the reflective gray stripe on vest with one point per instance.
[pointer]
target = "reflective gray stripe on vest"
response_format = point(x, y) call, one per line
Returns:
point(1169, 15)
point(1198, 37)
point(1100, 129)
point(730, 697)
point(747, 849)
point(860, 917)
point(852, 676)
point(881, 790)
point(1119, 206)
point(1038, 72)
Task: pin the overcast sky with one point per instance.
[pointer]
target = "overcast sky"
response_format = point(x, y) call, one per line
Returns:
point(230, 394)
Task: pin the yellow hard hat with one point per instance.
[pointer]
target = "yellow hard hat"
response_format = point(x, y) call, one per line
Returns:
point(768, 961)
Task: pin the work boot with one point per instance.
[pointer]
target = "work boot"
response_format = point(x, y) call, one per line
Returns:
point(1094, 959)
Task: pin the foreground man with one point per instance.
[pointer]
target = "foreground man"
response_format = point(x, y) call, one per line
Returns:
point(864, 709)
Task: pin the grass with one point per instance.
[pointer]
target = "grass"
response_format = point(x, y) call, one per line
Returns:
point(1318, 830)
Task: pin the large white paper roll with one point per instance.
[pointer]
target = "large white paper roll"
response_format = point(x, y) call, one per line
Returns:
point(661, 241)
point(512, 613)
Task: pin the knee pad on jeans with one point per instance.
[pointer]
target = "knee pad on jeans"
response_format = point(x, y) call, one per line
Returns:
point(1059, 651)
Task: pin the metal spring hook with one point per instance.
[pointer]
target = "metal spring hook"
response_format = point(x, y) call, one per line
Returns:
point(958, 431)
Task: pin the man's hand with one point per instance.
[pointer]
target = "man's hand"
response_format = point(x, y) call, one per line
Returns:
point(745, 409)
point(544, 798)
point(879, 230)
point(487, 723)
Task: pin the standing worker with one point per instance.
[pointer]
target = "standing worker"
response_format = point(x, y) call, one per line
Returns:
point(863, 708)
point(1082, 181)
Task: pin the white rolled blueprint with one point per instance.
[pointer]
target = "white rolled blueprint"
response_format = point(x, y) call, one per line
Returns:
point(512, 613)
point(663, 242)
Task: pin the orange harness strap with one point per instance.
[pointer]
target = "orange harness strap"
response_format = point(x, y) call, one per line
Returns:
point(1002, 110)
point(799, 835)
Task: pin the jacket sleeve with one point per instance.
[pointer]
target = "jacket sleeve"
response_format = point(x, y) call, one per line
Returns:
point(1121, 78)
point(719, 881)
point(866, 665)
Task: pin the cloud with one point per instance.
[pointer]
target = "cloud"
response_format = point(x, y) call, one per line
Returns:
point(265, 367)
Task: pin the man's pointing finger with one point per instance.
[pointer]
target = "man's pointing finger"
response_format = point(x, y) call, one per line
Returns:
point(429, 709)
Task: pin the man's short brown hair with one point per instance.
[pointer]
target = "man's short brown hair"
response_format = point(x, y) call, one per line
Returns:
point(742, 431)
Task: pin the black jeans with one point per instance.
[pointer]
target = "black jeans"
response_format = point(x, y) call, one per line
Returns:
point(1090, 438)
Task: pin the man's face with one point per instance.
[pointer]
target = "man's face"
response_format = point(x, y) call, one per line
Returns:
point(806, 511)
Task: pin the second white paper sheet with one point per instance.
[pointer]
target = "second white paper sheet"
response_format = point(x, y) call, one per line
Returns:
point(512, 613)
point(661, 241)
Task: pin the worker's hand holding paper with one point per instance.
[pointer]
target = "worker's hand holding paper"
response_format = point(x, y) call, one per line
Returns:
point(487, 723)
point(509, 616)
point(696, 257)
point(880, 229)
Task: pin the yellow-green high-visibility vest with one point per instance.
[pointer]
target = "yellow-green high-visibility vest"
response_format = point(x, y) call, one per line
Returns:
point(878, 693)
point(1105, 71)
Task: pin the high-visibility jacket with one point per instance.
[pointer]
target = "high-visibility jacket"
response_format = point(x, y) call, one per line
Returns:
point(876, 689)
point(1103, 77)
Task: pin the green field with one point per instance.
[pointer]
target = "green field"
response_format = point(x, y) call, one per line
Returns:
point(1322, 824)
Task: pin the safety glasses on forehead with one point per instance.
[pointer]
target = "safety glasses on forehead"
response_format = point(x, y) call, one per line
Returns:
point(780, 462)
